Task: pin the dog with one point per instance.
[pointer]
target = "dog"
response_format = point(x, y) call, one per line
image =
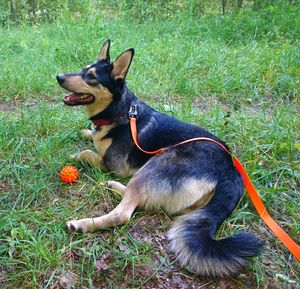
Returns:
point(197, 180)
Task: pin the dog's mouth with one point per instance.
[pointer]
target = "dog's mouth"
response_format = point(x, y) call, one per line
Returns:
point(78, 99)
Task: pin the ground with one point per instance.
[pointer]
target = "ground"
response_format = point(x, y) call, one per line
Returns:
point(236, 74)
point(132, 256)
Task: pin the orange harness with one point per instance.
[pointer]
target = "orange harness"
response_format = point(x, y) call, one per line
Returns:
point(290, 244)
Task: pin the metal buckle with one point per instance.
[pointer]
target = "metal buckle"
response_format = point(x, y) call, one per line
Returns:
point(132, 113)
point(95, 129)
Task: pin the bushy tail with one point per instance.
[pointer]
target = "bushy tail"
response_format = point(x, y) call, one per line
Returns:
point(192, 236)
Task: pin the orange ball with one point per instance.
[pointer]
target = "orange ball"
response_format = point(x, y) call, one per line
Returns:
point(69, 174)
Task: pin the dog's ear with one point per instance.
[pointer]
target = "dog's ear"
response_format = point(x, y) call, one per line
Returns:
point(122, 63)
point(104, 51)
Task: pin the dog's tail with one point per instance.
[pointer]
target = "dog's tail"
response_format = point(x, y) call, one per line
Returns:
point(192, 236)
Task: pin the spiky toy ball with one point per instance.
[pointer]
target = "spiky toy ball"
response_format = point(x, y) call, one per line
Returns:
point(69, 174)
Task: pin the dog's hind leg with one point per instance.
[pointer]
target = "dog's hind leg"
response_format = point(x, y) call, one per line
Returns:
point(119, 216)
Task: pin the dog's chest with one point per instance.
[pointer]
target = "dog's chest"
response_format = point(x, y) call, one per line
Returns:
point(113, 151)
point(101, 142)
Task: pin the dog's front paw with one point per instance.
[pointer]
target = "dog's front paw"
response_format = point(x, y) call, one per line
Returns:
point(87, 133)
point(115, 186)
point(74, 157)
point(77, 226)
point(109, 184)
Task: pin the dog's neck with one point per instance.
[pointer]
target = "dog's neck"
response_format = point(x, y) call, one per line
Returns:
point(116, 111)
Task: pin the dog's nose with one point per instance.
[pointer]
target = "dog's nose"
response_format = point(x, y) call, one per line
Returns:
point(60, 78)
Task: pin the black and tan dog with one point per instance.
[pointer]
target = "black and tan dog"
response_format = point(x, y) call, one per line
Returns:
point(197, 180)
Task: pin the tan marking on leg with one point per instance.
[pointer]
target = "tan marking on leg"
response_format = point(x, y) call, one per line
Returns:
point(102, 132)
point(119, 216)
point(90, 157)
point(103, 145)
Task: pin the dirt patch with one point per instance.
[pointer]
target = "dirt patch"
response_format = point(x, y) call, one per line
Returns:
point(8, 106)
point(16, 104)
point(205, 104)
point(4, 188)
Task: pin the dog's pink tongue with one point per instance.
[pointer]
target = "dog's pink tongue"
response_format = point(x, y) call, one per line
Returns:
point(73, 97)
point(78, 99)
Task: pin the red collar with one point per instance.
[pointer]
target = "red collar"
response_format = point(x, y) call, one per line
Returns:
point(106, 121)
point(103, 121)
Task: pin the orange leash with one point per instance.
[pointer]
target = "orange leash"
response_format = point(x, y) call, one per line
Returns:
point(290, 244)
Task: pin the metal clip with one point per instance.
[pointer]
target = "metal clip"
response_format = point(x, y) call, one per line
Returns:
point(95, 129)
point(132, 113)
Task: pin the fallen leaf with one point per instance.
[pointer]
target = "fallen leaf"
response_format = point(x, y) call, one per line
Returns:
point(103, 264)
point(67, 279)
point(3, 278)
point(122, 245)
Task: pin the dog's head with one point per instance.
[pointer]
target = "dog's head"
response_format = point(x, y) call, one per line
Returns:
point(98, 84)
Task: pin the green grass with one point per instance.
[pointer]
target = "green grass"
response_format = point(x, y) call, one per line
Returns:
point(236, 75)
point(245, 57)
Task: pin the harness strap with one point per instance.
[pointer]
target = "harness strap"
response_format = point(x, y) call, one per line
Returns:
point(289, 243)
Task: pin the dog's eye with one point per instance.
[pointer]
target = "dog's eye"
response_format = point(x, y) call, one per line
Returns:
point(91, 76)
